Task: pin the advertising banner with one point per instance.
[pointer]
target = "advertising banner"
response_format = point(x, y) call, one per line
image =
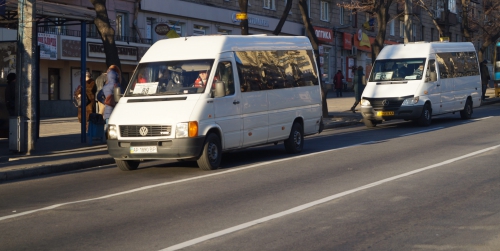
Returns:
point(48, 46)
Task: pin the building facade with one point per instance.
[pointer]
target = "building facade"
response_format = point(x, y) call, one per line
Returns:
point(345, 35)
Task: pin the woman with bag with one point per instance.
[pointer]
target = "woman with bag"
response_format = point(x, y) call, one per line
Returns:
point(90, 90)
point(114, 80)
point(359, 83)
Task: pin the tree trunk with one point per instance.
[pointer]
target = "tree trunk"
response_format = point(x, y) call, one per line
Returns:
point(288, 7)
point(244, 23)
point(106, 32)
point(314, 42)
point(381, 9)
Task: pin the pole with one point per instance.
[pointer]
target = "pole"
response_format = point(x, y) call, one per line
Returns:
point(25, 74)
point(83, 81)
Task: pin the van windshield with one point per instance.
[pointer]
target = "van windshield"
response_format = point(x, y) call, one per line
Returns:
point(170, 78)
point(397, 69)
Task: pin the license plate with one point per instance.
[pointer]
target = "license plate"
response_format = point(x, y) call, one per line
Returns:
point(388, 113)
point(143, 149)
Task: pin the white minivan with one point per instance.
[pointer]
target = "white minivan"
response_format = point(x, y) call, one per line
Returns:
point(416, 81)
point(193, 98)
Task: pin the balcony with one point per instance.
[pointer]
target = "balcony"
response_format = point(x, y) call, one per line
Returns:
point(77, 33)
point(440, 18)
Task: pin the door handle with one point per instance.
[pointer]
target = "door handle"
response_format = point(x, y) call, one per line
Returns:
point(236, 102)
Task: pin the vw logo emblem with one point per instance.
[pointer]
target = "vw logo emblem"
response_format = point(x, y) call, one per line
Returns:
point(143, 131)
point(385, 102)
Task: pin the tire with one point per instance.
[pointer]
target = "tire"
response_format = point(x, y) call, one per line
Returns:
point(370, 123)
point(466, 113)
point(295, 141)
point(127, 165)
point(426, 116)
point(211, 154)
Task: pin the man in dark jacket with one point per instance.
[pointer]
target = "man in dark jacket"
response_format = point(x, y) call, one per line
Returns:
point(485, 77)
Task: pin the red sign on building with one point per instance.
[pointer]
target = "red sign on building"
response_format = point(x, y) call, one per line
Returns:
point(324, 35)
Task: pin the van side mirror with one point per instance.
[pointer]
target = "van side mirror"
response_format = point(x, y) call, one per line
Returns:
point(220, 90)
point(117, 94)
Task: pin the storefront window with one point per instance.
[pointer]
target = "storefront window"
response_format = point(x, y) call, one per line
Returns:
point(325, 67)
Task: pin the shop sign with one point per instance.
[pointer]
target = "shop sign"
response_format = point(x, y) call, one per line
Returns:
point(162, 29)
point(347, 39)
point(241, 16)
point(325, 35)
point(95, 50)
point(251, 20)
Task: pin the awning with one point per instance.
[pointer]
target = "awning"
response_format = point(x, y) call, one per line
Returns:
point(50, 10)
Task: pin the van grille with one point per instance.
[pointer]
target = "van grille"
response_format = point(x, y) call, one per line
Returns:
point(152, 130)
point(386, 103)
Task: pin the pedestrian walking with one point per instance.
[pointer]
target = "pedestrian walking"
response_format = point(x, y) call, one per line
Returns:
point(485, 77)
point(10, 94)
point(359, 83)
point(100, 82)
point(337, 81)
point(113, 80)
point(90, 91)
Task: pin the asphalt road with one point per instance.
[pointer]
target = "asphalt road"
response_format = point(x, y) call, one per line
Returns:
point(395, 187)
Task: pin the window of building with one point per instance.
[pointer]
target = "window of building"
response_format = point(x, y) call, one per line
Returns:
point(452, 6)
point(290, 12)
point(176, 26)
point(341, 15)
point(149, 27)
point(324, 7)
point(223, 31)
point(414, 32)
point(121, 26)
point(432, 34)
point(270, 4)
point(354, 19)
point(422, 38)
point(199, 30)
point(92, 31)
point(309, 8)
point(391, 28)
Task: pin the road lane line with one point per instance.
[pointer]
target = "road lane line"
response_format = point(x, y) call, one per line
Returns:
point(428, 130)
point(175, 182)
point(317, 202)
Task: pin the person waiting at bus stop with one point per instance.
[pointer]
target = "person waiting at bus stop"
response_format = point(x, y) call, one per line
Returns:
point(485, 77)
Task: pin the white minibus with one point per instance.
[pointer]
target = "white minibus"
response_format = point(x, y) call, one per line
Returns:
point(416, 81)
point(193, 98)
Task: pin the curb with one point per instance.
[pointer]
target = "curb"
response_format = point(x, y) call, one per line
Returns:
point(53, 168)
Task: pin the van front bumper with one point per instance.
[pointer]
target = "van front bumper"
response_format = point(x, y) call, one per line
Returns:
point(187, 148)
point(403, 112)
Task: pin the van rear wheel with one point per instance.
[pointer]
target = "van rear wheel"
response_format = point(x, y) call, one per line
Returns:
point(127, 165)
point(212, 153)
point(466, 113)
point(295, 141)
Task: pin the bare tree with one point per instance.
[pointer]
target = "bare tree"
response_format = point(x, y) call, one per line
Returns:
point(244, 23)
point(283, 18)
point(380, 9)
point(314, 42)
point(106, 32)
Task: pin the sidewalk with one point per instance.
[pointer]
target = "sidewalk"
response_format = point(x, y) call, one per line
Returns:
point(59, 147)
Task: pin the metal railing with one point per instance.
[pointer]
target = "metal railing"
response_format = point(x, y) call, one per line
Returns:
point(77, 33)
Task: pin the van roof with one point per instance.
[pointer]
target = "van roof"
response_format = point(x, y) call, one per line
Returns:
point(422, 50)
point(207, 47)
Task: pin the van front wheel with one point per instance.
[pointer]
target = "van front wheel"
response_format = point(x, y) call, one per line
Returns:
point(425, 117)
point(127, 165)
point(212, 153)
point(466, 113)
point(295, 141)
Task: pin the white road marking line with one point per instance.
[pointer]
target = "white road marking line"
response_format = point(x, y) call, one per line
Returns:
point(317, 202)
point(173, 182)
point(428, 130)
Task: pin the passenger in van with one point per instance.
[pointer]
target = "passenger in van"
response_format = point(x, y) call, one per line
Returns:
point(201, 80)
point(419, 71)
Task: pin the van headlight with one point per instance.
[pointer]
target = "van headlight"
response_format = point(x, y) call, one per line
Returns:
point(186, 129)
point(411, 101)
point(365, 102)
point(112, 132)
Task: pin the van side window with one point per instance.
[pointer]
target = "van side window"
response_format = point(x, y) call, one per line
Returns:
point(431, 71)
point(224, 73)
point(457, 64)
point(267, 70)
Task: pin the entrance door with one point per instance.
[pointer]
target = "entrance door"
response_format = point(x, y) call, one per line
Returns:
point(54, 87)
point(228, 108)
